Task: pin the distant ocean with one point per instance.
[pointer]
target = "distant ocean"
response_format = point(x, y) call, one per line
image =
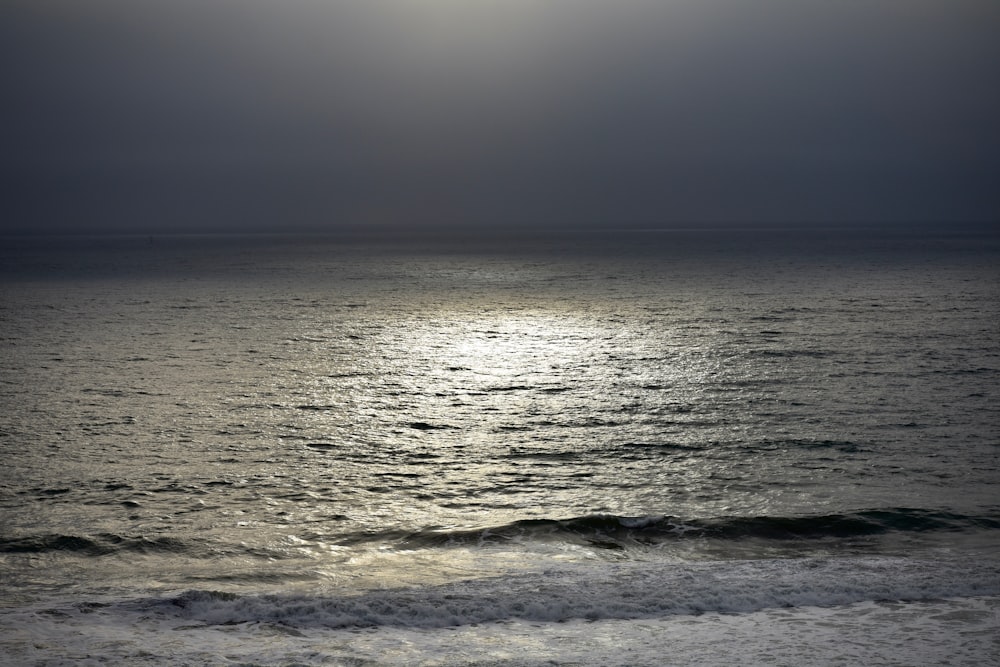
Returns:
point(646, 448)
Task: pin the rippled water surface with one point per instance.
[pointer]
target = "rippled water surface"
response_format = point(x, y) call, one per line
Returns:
point(264, 416)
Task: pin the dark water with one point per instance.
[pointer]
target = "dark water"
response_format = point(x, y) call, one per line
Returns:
point(286, 440)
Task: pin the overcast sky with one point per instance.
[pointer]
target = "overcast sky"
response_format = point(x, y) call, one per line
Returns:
point(150, 116)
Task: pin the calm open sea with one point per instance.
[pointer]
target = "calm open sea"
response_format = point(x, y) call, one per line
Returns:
point(583, 449)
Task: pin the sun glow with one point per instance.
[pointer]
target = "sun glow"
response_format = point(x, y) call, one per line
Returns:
point(518, 347)
point(479, 34)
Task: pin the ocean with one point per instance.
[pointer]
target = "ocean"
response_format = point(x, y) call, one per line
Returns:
point(754, 447)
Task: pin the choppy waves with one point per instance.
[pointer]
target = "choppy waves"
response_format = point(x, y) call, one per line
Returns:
point(94, 545)
point(291, 446)
point(90, 546)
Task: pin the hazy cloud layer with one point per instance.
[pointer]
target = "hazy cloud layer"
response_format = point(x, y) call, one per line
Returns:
point(253, 114)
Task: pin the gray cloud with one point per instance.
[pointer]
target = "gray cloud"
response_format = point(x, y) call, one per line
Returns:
point(252, 114)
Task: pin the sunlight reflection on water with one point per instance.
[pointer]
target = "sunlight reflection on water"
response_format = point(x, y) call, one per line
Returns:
point(390, 394)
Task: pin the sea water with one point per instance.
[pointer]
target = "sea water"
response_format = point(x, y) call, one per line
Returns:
point(645, 448)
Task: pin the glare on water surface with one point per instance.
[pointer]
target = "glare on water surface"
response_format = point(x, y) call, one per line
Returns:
point(422, 396)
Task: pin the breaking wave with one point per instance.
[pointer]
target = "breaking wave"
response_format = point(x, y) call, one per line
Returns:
point(610, 591)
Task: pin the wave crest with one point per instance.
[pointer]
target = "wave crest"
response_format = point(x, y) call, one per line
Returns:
point(619, 532)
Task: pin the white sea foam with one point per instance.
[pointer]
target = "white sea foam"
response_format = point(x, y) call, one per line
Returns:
point(954, 631)
point(611, 591)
